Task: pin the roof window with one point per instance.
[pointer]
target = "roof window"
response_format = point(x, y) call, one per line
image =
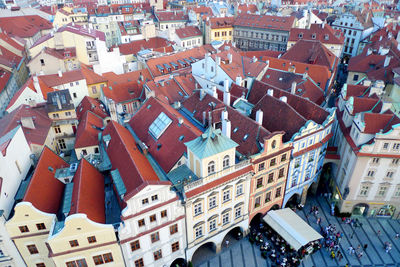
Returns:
point(159, 125)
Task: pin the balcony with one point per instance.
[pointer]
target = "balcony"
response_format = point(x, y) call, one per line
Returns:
point(91, 48)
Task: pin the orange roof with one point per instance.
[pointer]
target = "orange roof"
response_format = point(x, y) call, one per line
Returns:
point(88, 193)
point(93, 105)
point(45, 192)
point(91, 76)
point(87, 133)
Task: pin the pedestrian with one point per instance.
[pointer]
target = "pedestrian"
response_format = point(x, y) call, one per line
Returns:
point(358, 248)
point(360, 254)
point(227, 243)
point(339, 255)
point(397, 236)
point(365, 246)
point(378, 232)
point(350, 250)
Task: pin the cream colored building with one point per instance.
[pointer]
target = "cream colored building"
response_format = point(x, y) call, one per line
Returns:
point(215, 209)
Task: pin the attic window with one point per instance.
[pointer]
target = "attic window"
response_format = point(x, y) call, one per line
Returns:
point(326, 37)
point(159, 125)
point(181, 137)
point(313, 36)
point(149, 106)
point(235, 130)
point(245, 137)
point(300, 35)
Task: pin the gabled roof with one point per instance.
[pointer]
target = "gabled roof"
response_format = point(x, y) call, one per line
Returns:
point(88, 193)
point(132, 165)
point(92, 105)
point(127, 86)
point(91, 76)
point(88, 130)
point(166, 16)
point(45, 192)
point(169, 147)
point(188, 32)
point(65, 53)
point(312, 52)
point(24, 26)
point(167, 90)
point(264, 22)
point(52, 80)
point(247, 8)
point(84, 31)
point(244, 131)
point(355, 90)
point(361, 104)
point(220, 22)
point(210, 143)
point(41, 122)
point(134, 47)
point(321, 32)
point(375, 122)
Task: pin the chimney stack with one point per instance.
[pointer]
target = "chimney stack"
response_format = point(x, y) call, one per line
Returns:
point(58, 102)
point(293, 89)
point(369, 51)
point(387, 61)
point(204, 117)
point(36, 85)
point(202, 94)
point(254, 59)
point(270, 92)
point(259, 116)
point(209, 119)
point(226, 128)
point(214, 92)
point(227, 94)
point(59, 73)
point(239, 80)
point(230, 58)
point(283, 99)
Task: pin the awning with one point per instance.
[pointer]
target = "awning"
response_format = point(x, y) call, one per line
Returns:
point(291, 227)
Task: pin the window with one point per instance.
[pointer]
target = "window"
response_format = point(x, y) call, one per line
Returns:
point(297, 163)
point(371, 173)
point(73, 243)
point(141, 223)
point(395, 161)
point(94, 89)
point(135, 245)
point(98, 260)
point(32, 249)
point(225, 218)
point(273, 162)
point(153, 218)
point(154, 198)
point(278, 192)
point(199, 231)
point(225, 163)
point(385, 146)
point(67, 113)
point(108, 257)
point(157, 255)
point(382, 191)
point(311, 157)
point(283, 158)
point(40, 226)
point(226, 196)
point(364, 190)
point(355, 77)
point(259, 182)
point(55, 116)
point(239, 190)
point(155, 237)
point(139, 263)
point(163, 213)
point(281, 173)
point(396, 146)
point(77, 263)
point(238, 212)
point(261, 166)
point(389, 174)
point(197, 209)
point(213, 225)
point(57, 129)
point(145, 201)
point(271, 178)
point(267, 197)
point(24, 229)
point(173, 229)
point(257, 202)
point(175, 246)
point(211, 167)
point(397, 193)
point(42, 62)
point(212, 202)
point(40, 264)
point(61, 144)
point(74, 95)
point(375, 160)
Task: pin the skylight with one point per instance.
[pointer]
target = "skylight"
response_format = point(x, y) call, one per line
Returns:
point(159, 125)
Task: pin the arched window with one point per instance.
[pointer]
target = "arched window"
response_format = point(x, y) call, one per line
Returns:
point(225, 163)
point(211, 167)
point(273, 144)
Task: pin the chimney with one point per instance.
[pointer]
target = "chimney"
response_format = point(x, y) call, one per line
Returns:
point(217, 60)
point(180, 120)
point(387, 61)
point(267, 62)
point(36, 85)
point(204, 117)
point(141, 77)
point(226, 128)
point(283, 99)
point(209, 119)
point(27, 122)
point(305, 75)
point(259, 116)
point(293, 89)
point(270, 92)
point(323, 24)
point(59, 73)
point(224, 115)
point(254, 59)
point(214, 92)
point(239, 80)
point(230, 58)
point(58, 102)
point(202, 94)
point(369, 51)
point(227, 94)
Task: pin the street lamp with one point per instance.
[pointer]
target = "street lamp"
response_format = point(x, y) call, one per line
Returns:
point(356, 225)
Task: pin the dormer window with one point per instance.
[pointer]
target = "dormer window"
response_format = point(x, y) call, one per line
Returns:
point(225, 163)
point(211, 167)
point(313, 36)
point(300, 35)
point(326, 37)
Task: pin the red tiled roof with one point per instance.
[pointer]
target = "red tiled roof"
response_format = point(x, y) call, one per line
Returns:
point(264, 22)
point(125, 87)
point(312, 52)
point(202, 10)
point(4, 78)
point(52, 80)
point(247, 8)
point(24, 26)
point(91, 76)
point(321, 32)
point(132, 165)
point(8, 58)
point(321, 15)
point(240, 124)
point(68, 52)
point(168, 149)
point(220, 22)
point(375, 122)
point(188, 32)
point(361, 104)
point(40, 119)
point(164, 16)
point(88, 130)
point(154, 43)
point(13, 42)
point(80, 30)
point(92, 105)
point(44, 191)
point(186, 82)
point(88, 193)
point(355, 90)
point(167, 90)
point(261, 54)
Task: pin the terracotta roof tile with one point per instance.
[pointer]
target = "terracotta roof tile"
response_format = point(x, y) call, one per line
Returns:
point(52, 80)
point(164, 16)
point(188, 32)
point(355, 90)
point(24, 26)
point(325, 34)
point(44, 191)
point(247, 8)
point(92, 105)
point(375, 122)
point(361, 104)
point(88, 193)
point(220, 23)
point(264, 22)
point(88, 130)
point(154, 43)
point(90, 76)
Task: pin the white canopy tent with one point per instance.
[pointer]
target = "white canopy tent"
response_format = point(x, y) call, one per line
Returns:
point(291, 227)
